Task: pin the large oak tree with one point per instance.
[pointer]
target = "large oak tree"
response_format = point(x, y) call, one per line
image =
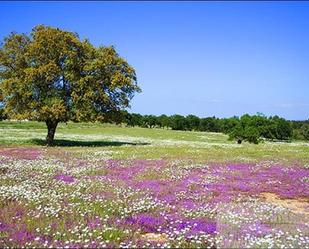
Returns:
point(53, 76)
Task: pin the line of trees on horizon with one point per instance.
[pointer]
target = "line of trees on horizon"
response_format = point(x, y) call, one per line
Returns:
point(252, 128)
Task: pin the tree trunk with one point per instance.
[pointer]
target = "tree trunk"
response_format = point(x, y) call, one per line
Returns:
point(51, 127)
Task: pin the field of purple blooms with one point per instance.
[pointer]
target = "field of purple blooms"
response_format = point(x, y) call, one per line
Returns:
point(76, 197)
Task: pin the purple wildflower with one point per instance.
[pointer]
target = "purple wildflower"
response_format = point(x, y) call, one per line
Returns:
point(149, 223)
point(4, 227)
point(64, 178)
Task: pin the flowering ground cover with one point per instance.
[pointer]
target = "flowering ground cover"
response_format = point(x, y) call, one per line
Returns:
point(132, 187)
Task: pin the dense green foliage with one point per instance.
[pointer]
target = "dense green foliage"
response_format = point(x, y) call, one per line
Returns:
point(53, 76)
point(246, 128)
point(2, 114)
point(301, 129)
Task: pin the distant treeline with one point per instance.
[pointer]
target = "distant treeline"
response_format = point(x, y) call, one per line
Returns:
point(245, 128)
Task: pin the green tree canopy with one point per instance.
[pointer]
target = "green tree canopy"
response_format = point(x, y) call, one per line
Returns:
point(247, 129)
point(163, 121)
point(193, 122)
point(305, 131)
point(53, 76)
point(178, 122)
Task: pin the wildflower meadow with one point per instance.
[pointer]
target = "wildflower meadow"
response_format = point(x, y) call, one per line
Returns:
point(112, 186)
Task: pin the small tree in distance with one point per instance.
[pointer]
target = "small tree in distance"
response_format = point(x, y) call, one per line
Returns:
point(245, 133)
point(53, 76)
point(237, 133)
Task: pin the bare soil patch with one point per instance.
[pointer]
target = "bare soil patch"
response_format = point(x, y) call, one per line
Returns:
point(155, 237)
point(299, 205)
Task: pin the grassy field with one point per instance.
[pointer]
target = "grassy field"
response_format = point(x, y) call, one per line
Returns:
point(142, 143)
point(113, 186)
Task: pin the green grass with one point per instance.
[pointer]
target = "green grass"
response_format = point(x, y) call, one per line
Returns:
point(142, 143)
point(70, 128)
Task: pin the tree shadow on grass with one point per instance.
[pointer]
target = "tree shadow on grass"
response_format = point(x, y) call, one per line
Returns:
point(68, 143)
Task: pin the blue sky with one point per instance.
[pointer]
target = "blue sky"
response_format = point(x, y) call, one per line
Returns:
point(202, 58)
